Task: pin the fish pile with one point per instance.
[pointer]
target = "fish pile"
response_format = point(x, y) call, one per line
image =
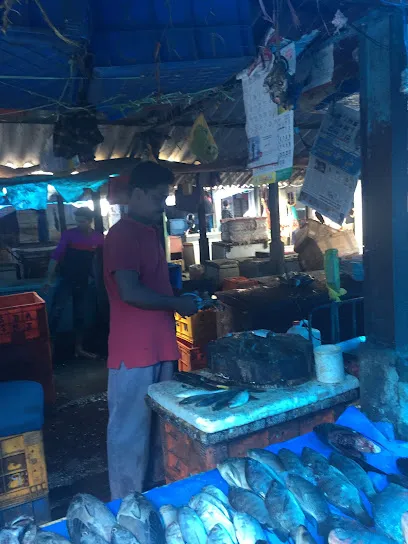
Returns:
point(272, 497)
point(231, 398)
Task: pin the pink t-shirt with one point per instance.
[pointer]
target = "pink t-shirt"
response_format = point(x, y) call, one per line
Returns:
point(138, 338)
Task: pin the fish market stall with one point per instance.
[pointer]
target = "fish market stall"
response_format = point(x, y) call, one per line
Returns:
point(300, 491)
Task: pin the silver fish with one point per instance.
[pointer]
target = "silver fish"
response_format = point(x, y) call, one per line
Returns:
point(316, 461)
point(25, 528)
point(249, 503)
point(120, 535)
point(354, 473)
point(343, 536)
point(210, 514)
point(191, 526)
point(88, 537)
point(404, 526)
point(341, 493)
point(284, 510)
point(292, 463)
point(303, 536)
point(388, 509)
point(168, 514)
point(207, 497)
point(9, 536)
point(173, 534)
point(233, 472)
point(247, 529)
point(258, 476)
point(138, 515)
point(47, 537)
point(88, 512)
point(217, 493)
point(219, 535)
point(270, 459)
point(239, 399)
point(312, 502)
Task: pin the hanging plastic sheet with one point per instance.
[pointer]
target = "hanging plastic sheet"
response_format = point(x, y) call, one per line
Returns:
point(28, 196)
point(71, 192)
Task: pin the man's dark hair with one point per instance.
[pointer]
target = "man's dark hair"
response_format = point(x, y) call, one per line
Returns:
point(149, 175)
point(225, 203)
point(86, 213)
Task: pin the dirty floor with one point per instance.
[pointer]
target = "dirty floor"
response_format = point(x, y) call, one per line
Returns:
point(75, 431)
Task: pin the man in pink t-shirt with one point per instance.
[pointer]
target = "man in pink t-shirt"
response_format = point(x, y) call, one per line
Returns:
point(142, 339)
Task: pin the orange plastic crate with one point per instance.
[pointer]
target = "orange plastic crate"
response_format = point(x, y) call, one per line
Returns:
point(22, 317)
point(240, 282)
point(190, 358)
point(197, 330)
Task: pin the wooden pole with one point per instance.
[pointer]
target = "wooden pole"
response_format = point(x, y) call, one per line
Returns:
point(61, 213)
point(98, 220)
point(202, 223)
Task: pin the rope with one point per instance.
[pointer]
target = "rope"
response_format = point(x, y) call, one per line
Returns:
point(53, 27)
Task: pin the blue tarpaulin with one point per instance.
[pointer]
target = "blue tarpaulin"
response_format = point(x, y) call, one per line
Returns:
point(179, 493)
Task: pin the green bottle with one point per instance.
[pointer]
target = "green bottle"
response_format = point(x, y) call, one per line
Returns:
point(332, 269)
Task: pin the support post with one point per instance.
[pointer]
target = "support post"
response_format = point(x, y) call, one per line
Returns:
point(384, 138)
point(277, 250)
point(98, 220)
point(202, 178)
point(61, 213)
point(42, 226)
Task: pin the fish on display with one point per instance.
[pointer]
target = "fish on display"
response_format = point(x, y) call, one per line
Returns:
point(312, 502)
point(168, 514)
point(8, 535)
point(388, 509)
point(205, 399)
point(88, 537)
point(402, 464)
point(247, 529)
point(89, 513)
point(303, 536)
point(235, 401)
point(284, 510)
point(344, 536)
point(218, 494)
point(354, 473)
point(292, 463)
point(404, 526)
point(219, 535)
point(270, 459)
point(258, 476)
point(205, 497)
point(243, 500)
point(121, 535)
point(233, 472)
point(47, 537)
point(173, 534)
point(338, 489)
point(210, 514)
point(191, 526)
point(138, 515)
point(345, 440)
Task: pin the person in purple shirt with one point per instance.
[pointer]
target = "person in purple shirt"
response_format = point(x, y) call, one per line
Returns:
point(73, 261)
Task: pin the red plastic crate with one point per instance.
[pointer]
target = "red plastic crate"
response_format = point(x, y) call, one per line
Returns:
point(240, 282)
point(191, 358)
point(22, 317)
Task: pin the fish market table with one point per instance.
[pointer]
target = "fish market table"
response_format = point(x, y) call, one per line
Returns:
point(197, 439)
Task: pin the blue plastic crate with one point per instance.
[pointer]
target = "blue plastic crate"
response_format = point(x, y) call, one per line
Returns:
point(39, 510)
point(224, 41)
point(21, 407)
point(173, 12)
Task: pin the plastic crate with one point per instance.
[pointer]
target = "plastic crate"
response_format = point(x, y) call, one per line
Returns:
point(22, 317)
point(190, 358)
point(239, 283)
point(39, 510)
point(198, 330)
point(23, 472)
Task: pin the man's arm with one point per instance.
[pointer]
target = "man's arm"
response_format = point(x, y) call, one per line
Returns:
point(134, 293)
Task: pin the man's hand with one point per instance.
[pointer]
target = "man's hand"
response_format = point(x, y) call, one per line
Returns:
point(186, 305)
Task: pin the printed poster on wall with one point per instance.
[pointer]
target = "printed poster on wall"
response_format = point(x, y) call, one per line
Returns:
point(328, 189)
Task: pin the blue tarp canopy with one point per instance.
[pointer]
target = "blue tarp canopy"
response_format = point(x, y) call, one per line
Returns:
point(137, 49)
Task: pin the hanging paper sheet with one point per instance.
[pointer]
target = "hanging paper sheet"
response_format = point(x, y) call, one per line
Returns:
point(328, 189)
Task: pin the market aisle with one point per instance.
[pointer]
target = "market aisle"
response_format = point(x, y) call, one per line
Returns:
point(75, 433)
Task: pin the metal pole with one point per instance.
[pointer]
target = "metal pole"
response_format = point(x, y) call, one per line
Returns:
point(98, 220)
point(204, 246)
point(61, 213)
point(277, 251)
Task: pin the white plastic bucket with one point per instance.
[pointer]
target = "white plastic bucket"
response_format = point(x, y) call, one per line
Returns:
point(301, 328)
point(329, 363)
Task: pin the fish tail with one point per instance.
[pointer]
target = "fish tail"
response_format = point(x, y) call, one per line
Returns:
point(363, 517)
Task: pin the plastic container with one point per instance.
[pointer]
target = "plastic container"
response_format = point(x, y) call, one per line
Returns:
point(191, 358)
point(302, 329)
point(332, 269)
point(218, 270)
point(176, 275)
point(196, 271)
point(329, 363)
point(39, 510)
point(178, 227)
point(22, 317)
point(199, 329)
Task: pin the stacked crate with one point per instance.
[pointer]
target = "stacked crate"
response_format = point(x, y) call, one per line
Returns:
point(193, 335)
point(25, 350)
